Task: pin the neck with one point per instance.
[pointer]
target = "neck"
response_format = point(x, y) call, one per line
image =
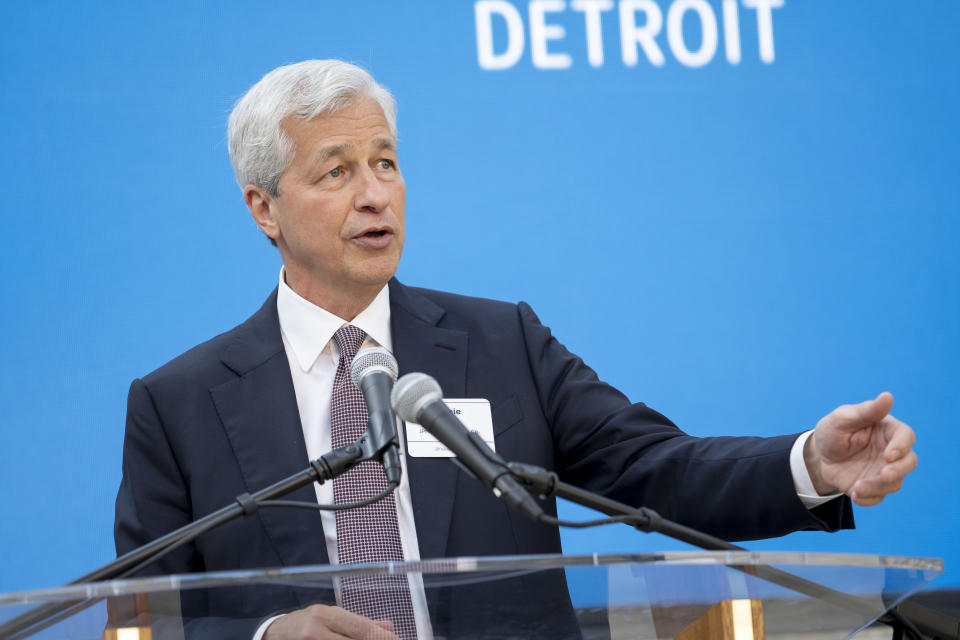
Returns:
point(343, 303)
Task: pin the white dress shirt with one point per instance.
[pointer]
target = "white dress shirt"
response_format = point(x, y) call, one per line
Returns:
point(313, 355)
point(801, 477)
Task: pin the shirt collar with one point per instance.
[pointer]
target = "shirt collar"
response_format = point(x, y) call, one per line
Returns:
point(308, 329)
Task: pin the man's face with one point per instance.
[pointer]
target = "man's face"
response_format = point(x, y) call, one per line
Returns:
point(338, 218)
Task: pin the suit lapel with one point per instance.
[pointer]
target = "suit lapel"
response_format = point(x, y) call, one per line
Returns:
point(420, 345)
point(260, 416)
point(261, 419)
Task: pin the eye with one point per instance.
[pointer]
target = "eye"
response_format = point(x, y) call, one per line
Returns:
point(386, 164)
point(335, 173)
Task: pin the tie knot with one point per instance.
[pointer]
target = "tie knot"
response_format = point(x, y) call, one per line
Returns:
point(349, 338)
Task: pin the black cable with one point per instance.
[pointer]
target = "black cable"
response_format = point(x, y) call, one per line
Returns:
point(296, 504)
point(631, 520)
point(266, 503)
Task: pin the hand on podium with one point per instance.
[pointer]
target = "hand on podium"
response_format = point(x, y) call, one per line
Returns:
point(322, 622)
point(860, 450)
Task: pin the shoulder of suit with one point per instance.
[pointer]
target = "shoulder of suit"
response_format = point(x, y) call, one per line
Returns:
point(204, 362)
point(460, 311)
point(194, 361)
point(455, 301)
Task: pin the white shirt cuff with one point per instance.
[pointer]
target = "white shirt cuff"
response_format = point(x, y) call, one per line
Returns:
point(801, 477)
point(262, 629)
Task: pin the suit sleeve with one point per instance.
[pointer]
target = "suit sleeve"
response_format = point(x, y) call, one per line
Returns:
point(154, 500)
point(733, 488)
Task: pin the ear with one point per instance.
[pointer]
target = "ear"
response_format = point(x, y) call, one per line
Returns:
point(261, 205)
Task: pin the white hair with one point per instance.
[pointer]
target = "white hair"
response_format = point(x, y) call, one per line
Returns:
point(260, 150)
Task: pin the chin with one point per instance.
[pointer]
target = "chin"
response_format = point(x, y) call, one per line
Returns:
point(375, 275)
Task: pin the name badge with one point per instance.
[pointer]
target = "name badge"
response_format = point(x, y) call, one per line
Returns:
point(475, 415)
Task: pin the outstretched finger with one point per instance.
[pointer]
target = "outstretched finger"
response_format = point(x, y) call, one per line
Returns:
point(867, 412)
point(900, 439)
point(870, 501)
point(876, 487)
point(888, 480)
point(898, 469)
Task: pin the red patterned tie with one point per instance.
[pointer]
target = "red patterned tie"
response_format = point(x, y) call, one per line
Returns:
point(370, 533)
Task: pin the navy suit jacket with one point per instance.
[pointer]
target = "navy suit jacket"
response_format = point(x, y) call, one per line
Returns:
point(222, 420)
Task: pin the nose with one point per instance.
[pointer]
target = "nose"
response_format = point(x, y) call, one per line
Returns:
point(372, 195)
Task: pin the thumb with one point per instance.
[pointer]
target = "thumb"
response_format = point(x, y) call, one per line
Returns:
point(867, 412)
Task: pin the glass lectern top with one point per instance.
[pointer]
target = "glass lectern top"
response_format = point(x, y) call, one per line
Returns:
point(684, 595)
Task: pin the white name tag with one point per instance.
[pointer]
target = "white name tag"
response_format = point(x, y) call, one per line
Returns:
point(475, 415)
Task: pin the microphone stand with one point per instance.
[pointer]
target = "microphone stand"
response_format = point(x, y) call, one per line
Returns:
point(547, 484)
point(323, 469)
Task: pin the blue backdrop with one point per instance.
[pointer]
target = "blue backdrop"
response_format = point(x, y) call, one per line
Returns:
point(742, 213)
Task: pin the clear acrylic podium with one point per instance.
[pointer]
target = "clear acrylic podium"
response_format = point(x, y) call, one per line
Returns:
point(682, 595)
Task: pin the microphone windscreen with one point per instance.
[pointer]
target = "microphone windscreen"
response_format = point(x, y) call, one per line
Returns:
point(411, 393)
point(371, 359)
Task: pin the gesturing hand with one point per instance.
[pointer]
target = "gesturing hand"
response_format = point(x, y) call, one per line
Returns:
point(861, 450)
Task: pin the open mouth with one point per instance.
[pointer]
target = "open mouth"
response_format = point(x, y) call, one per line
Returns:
point(375, 238)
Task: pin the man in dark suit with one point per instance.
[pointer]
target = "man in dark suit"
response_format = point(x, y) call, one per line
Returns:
point(314, 149)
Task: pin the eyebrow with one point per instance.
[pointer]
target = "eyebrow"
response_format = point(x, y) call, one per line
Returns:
point(384, 142)
point(379, 144)
point(332, 151)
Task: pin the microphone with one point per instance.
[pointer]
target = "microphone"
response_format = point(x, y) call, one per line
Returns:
point(374, 370)
point(417, 398)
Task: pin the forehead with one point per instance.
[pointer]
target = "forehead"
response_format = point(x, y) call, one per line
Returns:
point(359, 125)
